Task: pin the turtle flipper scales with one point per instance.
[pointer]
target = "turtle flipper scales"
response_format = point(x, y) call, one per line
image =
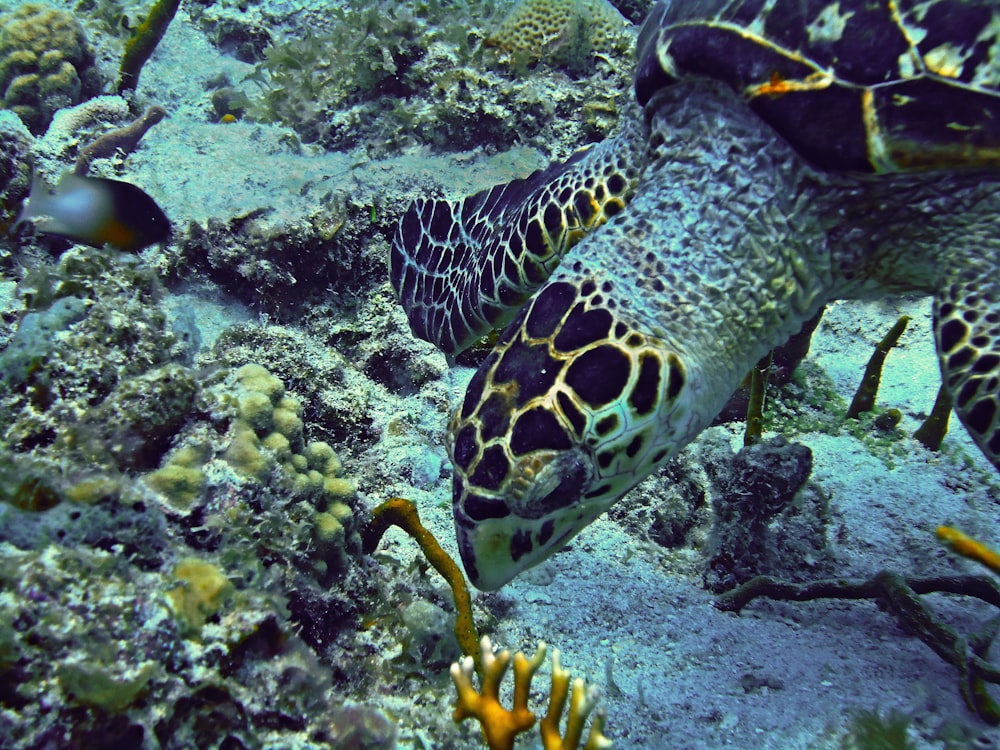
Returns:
point(463, 268)
point(633, 346)
point(967, 334)
point(789, 153)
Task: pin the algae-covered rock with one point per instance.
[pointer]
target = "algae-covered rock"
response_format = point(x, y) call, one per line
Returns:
point(426, 74)
point(135, 425)
point(35, 338)
point(97, 686)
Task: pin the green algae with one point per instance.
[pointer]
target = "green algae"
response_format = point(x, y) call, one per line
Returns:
point(92, 684)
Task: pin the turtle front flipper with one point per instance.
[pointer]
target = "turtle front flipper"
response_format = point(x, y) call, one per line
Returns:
point(967, 334)
point(463, 268)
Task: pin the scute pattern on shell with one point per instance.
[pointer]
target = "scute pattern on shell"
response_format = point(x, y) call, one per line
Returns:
point(883, 87)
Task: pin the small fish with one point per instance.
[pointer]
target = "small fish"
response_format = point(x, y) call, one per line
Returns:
point(97, 212)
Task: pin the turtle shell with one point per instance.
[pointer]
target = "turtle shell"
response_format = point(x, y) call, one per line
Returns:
point(853, 85)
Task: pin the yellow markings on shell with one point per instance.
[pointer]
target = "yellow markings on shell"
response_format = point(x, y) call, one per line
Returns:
point(946, 60)
point(821, 78)
point(877, 148)
point(910, 63)
point(829, 25)
point(778, 86)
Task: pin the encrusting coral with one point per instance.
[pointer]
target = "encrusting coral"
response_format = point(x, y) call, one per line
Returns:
point(564, 31)
point(501, 726)
point(200, 591)
point(45, 63)
point(446, 86)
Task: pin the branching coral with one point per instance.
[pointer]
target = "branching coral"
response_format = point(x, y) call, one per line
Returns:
point(969, 547)
point(501, 726)
point(901, 596)
point(402, 513)
point(864, 398)
point(123, 139)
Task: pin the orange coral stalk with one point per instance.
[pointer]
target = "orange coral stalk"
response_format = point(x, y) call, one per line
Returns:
point(969, 547)
point(401, 512)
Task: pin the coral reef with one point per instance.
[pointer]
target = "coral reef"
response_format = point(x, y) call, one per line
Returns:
point(45, 63)
point(569, 32)
point(126, 508)
point(15, 173)
point(75, 133)
point(249, 255)
point(98, 653)
point(423, 75)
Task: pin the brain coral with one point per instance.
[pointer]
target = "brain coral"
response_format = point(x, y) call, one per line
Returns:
point(559, 30)
point(45, 63)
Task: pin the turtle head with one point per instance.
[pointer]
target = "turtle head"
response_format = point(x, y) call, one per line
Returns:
point(563, 417)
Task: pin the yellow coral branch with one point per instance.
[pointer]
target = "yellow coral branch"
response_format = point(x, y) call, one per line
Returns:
point(969, 547)
point(500, 727)
point(402, 513)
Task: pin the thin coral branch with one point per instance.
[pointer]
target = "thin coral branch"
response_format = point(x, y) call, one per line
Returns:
point(400, 512)
point(901, 597)
point(864, 397)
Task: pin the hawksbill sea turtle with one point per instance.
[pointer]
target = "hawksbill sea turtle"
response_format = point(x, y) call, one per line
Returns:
point(782, 154)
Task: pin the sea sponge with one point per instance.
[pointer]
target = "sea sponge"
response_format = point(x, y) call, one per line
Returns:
point(45, 63)
point(181, 480)
point(201, 591)
point(563, 31)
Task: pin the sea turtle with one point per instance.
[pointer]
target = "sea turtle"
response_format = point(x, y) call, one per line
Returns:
point(787, 153)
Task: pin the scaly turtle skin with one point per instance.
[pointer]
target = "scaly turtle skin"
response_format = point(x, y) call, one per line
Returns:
point(789, 153)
